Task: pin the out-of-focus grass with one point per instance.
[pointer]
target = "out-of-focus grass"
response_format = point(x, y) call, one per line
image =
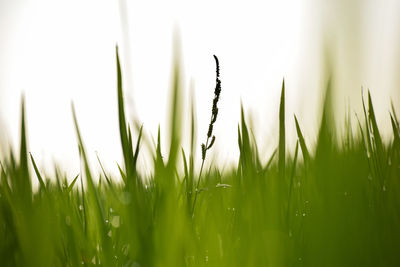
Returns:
point(337, 205)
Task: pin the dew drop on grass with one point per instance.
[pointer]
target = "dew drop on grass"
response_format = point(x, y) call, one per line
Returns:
point(223, 185)
point(304, 214)
point(384, 188)
point(115, 221)
point(106, 221)
point(125, 249)
point(80, 207)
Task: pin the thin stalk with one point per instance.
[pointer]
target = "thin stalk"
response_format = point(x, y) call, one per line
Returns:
point(209, 144)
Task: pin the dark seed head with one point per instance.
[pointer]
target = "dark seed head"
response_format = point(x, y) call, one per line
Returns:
point(203, 151)
point(210, 129)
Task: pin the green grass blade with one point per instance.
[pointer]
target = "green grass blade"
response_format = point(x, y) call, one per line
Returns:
point(175, 113)
point(136, 155)
point(282, 141)
point(123, 129)
point(291, 182)
point(41, 182)
point(24, 181)
point(103, 170)
point(302, 142)
point(71, 185)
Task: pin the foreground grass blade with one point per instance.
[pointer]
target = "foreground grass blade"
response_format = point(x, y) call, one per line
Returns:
point(42, 184)
point(282, 141)
point(303, 146)
point(71, 186)
point(24, 181)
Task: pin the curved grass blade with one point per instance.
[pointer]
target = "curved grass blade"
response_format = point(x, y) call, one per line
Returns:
point(71, 185)
point(282, 145)
point(41, 182)
point(302, 143)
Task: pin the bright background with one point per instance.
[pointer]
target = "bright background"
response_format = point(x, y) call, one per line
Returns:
point(61, 51)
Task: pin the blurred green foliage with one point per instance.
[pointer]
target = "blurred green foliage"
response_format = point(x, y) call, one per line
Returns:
point(336, 206)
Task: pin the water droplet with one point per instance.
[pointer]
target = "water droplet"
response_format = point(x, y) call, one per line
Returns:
point(106, 221)
point(223, 185)
point(304, 214)
point(307, 201)
point(300, 259)
point(125, 249)
point(384, 188)
point(297, 213)
point(206, 258)
point(115, 221)
point(368, 154)
point(82, 263)
point(111, 210)
point(80, 207)
point(109, 233)
point(298, 184)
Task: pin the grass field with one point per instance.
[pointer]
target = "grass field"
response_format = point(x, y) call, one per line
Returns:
point(337, 204)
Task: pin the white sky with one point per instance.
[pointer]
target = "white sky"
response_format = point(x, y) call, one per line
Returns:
point(57, 51)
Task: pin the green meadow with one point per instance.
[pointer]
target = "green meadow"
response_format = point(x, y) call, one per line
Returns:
point(331, 203)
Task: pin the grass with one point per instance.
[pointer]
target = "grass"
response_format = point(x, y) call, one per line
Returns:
point(335, 205)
